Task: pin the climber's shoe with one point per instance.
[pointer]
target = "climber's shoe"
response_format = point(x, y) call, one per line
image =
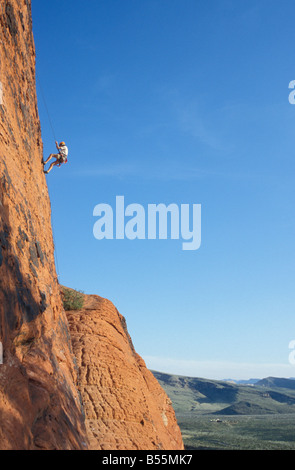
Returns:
point(46, 172)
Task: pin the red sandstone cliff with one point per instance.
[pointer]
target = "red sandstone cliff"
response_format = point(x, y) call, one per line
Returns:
point(40, 405)
point(125, 406)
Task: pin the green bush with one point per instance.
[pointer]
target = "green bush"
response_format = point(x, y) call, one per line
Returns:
point(72, 299)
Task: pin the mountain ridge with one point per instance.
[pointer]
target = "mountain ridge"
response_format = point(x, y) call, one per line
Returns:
point(205, 396)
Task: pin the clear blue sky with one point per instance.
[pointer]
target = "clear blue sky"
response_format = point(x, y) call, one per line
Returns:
point(182, 101)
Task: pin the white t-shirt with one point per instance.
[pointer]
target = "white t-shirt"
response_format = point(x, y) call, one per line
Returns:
point(64, 151)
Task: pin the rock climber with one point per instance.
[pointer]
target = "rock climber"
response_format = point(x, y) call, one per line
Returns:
point(60, 157)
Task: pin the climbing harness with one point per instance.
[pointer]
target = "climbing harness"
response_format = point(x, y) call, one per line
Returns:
point(62, 160)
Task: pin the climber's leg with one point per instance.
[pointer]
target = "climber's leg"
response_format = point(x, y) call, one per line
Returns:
point(51, 156)
point(51, 166)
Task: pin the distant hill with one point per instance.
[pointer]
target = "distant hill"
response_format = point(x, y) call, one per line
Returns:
point(242, 382)
point(192, 395)
point(244, 408)
point(275, 382)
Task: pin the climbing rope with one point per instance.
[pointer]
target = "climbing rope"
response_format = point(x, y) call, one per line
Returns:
point(46, 107)
point(53, 132)
point(55, 249)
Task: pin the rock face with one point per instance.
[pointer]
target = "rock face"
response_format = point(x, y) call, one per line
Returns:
point(39, 403)
point(125, 407)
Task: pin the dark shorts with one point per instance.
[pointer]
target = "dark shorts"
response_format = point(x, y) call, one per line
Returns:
point(62, 158)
